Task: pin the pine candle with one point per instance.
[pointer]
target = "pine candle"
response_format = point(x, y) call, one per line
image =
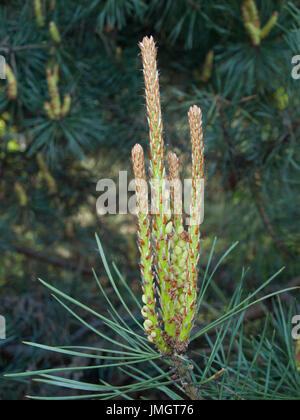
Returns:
point(169, 253)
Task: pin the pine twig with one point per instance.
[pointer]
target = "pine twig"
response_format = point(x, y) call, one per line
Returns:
point(182, 371)
point(52, 260)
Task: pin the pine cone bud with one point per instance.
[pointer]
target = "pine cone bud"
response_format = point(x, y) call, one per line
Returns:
point(21, 194)
point(254, 33)
point(208, 67)
point(12, 85)
point(66, 105)
point(54, 32)
point(269, 26)
point(54, 94)
point(40, 20)
point(49, 111)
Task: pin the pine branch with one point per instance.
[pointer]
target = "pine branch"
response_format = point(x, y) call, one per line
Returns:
point(182, 369)
point(52, 260)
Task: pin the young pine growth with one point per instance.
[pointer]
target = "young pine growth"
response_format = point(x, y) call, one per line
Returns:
point(169, 253)
point(54, 109)
point(54, 33)
point(21, 194)
point(12, 84)
point(40, 11)
point(207, 67)
point(45, 175)
point(39, 15)
point(252, 22)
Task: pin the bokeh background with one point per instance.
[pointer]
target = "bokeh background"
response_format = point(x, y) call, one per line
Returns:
point(49, 168)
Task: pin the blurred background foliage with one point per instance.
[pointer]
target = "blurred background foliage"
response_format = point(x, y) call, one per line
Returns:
point(50, 164)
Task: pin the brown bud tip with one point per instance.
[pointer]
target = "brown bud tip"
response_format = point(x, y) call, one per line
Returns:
point(138, 162)
point(149, 50)
point(147, 42)
point(195, 112)
point(174, 166)
point(195, 121)
point(137, 150)
point(137, 155)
